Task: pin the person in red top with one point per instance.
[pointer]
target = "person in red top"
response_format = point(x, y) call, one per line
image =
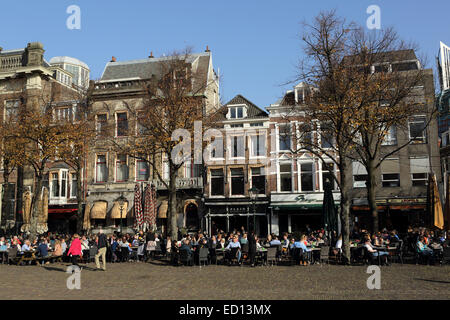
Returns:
point(75, 249)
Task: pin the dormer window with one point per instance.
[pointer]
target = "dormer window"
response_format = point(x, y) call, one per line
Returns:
point(236, 112)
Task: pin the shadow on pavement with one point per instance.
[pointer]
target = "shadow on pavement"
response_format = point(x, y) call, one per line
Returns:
point(436, 281)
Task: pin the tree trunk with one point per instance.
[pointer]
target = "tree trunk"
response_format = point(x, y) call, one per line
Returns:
point(34, 206)
point(19, 193)
point(173, 215)
point(80, 213)
point(345, 212)
point(371, 195)
point(5, 196)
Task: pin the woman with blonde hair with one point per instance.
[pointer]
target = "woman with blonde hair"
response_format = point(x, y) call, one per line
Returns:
point(58, 248)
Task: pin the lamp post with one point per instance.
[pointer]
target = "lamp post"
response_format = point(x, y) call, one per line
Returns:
point(253, 192)
point(121, 201)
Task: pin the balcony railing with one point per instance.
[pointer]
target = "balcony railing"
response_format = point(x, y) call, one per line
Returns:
point(10, 62)
point(181, 183)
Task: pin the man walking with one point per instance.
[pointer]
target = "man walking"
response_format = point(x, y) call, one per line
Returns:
point(102, 246)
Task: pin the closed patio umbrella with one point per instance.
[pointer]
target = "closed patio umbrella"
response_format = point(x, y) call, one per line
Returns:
point(329, 214)
point(436, 204)
point(87, 218)
point(138, 207)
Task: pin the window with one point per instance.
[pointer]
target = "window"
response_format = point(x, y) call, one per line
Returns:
point(237, 181)
point(327, 175)
point(236, 125)
point(236, 112)
point(140, 124)
point(101, 123)
point(326, 136)
point(122, 124)
point(165, 168)
point(142, 170)
point(306, 176)
point(390, 138)
point(121, 168)
point(390, 173)
point(192, 170)
point(286, 177)
point(359, 175)
point(73, 185)
point(11, 109)
point(391, 180)
point(258, 144)
point(58, 186)
point(101, 169)
point(417, 132)
point(63, 184)
point(63, 114)
point(419, 168)
point(257, 124)
point(305, 134)
point(259, 179)
point(284, 137)
point(55, 185)
point(217, 148)
point(237, 147)
point(217, 182)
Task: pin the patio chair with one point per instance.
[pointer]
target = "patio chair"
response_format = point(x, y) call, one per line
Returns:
point(203, 256)
point(141, 252)
point(244, 251)
point(325, 254)
point(369, 257)
point(398, 252)
point(186, 258)
point(272, 255)
point(445, 255)
point(12, 255)
point(232, 256)
point(124, 254)
point(151, 247)
point(92, 253)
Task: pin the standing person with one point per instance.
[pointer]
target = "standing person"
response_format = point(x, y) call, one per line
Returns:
point(75, 250)
point(102, 245)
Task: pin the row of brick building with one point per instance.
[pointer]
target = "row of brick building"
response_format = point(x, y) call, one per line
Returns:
point(253, 180)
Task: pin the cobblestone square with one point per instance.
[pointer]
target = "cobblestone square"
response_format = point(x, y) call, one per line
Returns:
point(143, 281)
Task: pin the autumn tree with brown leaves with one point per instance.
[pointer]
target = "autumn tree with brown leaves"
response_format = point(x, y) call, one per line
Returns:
point(174, 111)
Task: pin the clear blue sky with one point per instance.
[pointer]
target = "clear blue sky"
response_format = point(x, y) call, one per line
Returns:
point(254, 43)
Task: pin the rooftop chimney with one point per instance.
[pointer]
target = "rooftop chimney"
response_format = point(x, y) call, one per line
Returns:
point(207, 49)
point(113, 59)
point(151, 54)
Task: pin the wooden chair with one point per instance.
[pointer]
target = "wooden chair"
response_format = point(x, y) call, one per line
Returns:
point(272, 255)
point(325, 254)
point(203, 256)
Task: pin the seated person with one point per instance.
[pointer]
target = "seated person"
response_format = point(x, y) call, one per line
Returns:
point(373, 252)
point(221, 244)
point(243, 240)
point(275, 242)
point(338, 246)
point(26, 246)
point(43, 248)
point(424, 250)
point(58, 249)
point(186, 248)
point(235, 244)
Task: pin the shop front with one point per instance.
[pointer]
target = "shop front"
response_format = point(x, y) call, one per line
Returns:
point(394, 213)
point(228, 217)
point(297, 212)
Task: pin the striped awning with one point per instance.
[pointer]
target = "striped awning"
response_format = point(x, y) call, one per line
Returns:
point(98, 210)
point(115, 211)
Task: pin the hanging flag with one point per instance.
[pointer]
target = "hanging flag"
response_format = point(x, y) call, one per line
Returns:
point(437, 206)
point(137, 207)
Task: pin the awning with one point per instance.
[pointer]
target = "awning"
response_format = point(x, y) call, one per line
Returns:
point(98, 210)
point(115, 211)
point(162, 212)
point(392, 207)
point(302, 206)
point(62, 210)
